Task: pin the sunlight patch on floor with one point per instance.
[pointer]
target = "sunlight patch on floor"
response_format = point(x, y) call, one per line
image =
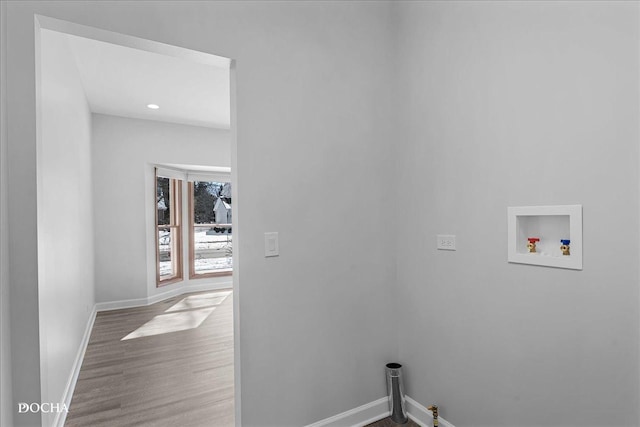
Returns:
point(188, 313)
point(200, 301)
point(173, 322)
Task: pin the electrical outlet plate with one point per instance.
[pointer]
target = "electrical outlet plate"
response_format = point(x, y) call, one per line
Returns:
point(446, 242)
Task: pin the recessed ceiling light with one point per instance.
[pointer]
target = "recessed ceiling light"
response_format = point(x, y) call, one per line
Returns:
point(153, 106)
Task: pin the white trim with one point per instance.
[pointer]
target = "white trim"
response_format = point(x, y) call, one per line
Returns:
point(422, 415)
point(377, 410)
point(132, 42)
point(199, 168)
point(61, 416)
point(194, 173)
point(141, 302)
point(164, 172)
point(208, 176)
point(237, 359)
point(357, 417)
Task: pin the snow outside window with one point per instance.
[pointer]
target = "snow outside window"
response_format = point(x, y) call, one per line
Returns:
point(211, 243)
point(168, 230)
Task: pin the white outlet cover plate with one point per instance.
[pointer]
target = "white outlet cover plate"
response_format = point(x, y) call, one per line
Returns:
point(446, 242)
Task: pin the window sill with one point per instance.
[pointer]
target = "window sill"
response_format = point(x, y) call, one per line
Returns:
point(209, 275)
point(168, 282)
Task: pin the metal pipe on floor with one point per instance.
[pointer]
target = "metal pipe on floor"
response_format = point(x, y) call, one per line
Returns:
point(395, 390)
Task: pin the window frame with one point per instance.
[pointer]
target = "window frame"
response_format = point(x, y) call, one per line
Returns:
point(175, 200)
point(192, 258)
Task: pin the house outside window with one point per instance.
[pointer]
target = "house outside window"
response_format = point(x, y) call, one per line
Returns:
point(203, 248)
point(211, 242)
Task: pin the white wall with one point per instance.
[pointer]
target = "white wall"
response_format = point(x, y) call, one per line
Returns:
point(65, 216)
point(312, 126)
point(6, 401)
point(124, 152)
point(510, 104)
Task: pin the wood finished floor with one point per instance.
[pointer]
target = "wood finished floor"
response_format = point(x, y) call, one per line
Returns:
point(180, 378)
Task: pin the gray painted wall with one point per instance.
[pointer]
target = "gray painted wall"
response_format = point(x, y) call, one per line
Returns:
point(512, 104)
point(6, 401)
point(311, 127)
point(22, 221)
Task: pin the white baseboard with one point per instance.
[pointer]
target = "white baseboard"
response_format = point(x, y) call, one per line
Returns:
point(141, 302)
point(421, 415)
point(378, 409)
point(117, 305)
point(61, 416)
point(357, 417)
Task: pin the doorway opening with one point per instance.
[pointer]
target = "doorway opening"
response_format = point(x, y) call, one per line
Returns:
point(112, 109)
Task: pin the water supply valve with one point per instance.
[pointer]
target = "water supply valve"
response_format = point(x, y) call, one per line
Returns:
point(434, 411)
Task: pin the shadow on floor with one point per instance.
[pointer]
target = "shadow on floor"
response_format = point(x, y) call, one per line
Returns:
point(386, 422)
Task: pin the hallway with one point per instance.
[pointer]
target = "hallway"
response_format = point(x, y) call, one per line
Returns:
point(138, 370)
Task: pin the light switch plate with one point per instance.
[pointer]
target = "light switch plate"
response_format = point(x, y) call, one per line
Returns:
point(446, 242)
point(271, 244)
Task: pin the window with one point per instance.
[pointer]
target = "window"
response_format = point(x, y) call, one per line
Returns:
point(210, 247)
point(168, 230)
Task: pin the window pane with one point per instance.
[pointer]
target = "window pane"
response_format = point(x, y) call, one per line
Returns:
point(163, 200)
point(168, 230)
point(166, 246)
point(204, 200)
point(213, 249)
point(212, 237)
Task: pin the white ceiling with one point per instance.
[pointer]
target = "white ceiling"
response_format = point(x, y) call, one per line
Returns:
point(121, 81)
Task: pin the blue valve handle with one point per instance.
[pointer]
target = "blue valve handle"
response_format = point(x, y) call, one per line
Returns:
point(565, 241)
